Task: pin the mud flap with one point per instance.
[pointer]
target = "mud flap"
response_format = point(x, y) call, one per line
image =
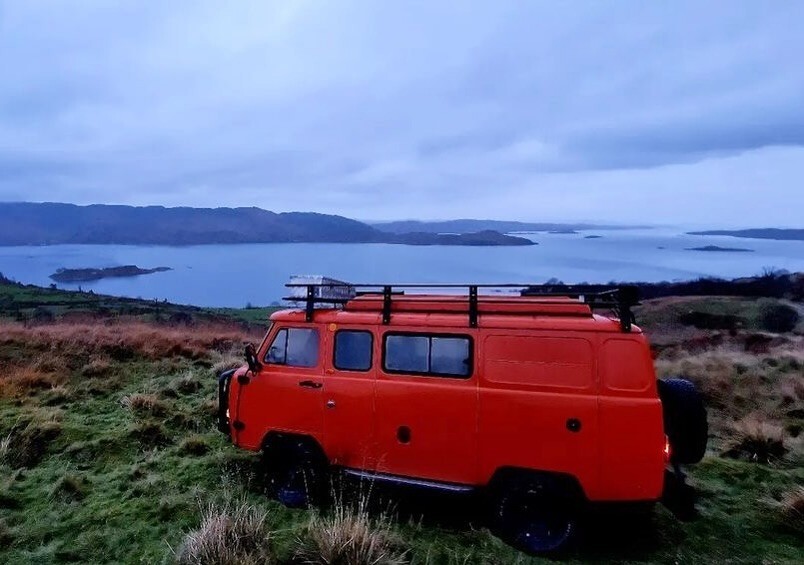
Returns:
point(679, 497)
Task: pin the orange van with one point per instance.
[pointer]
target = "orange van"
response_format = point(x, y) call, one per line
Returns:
point(520, 391)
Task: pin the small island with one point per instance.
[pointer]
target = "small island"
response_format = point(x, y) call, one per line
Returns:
point(88, 275)
point(592, 236)
point(718, 248)
point(480, 239)
point(563, 232)
point(779, 234)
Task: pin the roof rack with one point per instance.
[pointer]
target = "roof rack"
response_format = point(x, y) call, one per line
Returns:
point(619, 299)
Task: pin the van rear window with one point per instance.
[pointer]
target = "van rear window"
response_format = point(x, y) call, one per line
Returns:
point(626, 365)
point(428, 354)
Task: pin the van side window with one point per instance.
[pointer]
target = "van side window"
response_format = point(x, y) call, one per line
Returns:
point(294, 347)
point(353, 350)
point(428, 354)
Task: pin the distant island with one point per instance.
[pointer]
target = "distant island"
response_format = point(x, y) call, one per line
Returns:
point(758, 233)
point(470, 226)
point(565, 231)
point(718, 248)
point(25, 223)
point(592, 236)
point(88, 275)
point(482, 238)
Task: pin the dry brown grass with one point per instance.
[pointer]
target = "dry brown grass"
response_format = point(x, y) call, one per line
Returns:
point(350, 536)
point(232, 534)
point(223, 361)
point(20, 381)
point(757, 439)
point(124, 339)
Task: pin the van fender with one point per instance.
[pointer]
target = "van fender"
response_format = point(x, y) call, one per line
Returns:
point(293, 443)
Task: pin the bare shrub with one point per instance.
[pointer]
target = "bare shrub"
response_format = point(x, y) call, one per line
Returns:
point(757, 440)
point(229, 535)
point(144, 404)
point(348, 535)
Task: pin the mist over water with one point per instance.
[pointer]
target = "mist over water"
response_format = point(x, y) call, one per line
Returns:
point(234, 275)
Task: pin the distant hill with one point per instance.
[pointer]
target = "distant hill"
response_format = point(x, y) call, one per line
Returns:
point(53, 223)
point(758, 233)
point(473, 226)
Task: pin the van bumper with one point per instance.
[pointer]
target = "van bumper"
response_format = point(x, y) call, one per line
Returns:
point(224, 385)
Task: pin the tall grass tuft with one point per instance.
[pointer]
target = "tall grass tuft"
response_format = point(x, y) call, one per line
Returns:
point(348, 535)
point(231, 534)
point(757, 440)
point(792, 507)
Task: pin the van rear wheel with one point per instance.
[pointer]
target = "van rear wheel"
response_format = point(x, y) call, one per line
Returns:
point(533, 516)
point(684, 420)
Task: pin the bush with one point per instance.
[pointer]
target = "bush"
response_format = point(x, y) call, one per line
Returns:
point(349, 536)
point(777, 317)
point(229, 536)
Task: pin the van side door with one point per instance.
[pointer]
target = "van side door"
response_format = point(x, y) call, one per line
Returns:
point(426, 405)
point(348, 397)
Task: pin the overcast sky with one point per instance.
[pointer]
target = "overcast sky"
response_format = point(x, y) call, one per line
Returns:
point(649, 112)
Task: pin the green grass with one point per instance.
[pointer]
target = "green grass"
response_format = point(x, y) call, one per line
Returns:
point(123, 456)
point(32, 303)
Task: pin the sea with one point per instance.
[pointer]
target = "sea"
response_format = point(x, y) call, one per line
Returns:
point(255, 274)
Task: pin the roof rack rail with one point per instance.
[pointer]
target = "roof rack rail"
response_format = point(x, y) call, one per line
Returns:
point(618, 298)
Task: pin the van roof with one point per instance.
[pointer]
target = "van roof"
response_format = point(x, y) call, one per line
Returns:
point(428, 310)
point(514, 301)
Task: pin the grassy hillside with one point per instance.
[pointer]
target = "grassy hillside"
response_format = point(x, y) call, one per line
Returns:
point(108, 451)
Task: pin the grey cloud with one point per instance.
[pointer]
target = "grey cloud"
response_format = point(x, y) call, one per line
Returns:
point(359, 107)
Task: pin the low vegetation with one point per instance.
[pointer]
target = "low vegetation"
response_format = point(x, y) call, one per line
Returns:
point(109, 452)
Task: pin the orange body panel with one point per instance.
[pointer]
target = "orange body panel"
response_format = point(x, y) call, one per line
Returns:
point(550, 390)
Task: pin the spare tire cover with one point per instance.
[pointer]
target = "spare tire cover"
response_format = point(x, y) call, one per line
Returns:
point(684, 420)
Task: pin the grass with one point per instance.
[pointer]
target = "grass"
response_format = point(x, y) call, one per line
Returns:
point(109, 454)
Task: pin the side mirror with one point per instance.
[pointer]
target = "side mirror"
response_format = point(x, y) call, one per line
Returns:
point(251, 358)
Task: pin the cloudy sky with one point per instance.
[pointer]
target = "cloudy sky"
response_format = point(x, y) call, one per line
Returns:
point(649, 112)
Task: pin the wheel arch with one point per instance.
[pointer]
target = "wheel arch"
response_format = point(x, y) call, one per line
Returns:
point(565, 483)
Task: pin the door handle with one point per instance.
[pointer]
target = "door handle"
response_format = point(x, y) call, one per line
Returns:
point(311, 384)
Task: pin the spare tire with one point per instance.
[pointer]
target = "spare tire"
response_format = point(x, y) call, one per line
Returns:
point(684, 420)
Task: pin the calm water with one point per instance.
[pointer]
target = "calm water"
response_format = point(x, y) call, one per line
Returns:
point(233, 275)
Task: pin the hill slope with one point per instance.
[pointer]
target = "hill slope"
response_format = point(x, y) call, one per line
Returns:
point(53, 223)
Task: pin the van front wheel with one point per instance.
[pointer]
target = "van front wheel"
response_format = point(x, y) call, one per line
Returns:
point(531, 516)
point(294, 474)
